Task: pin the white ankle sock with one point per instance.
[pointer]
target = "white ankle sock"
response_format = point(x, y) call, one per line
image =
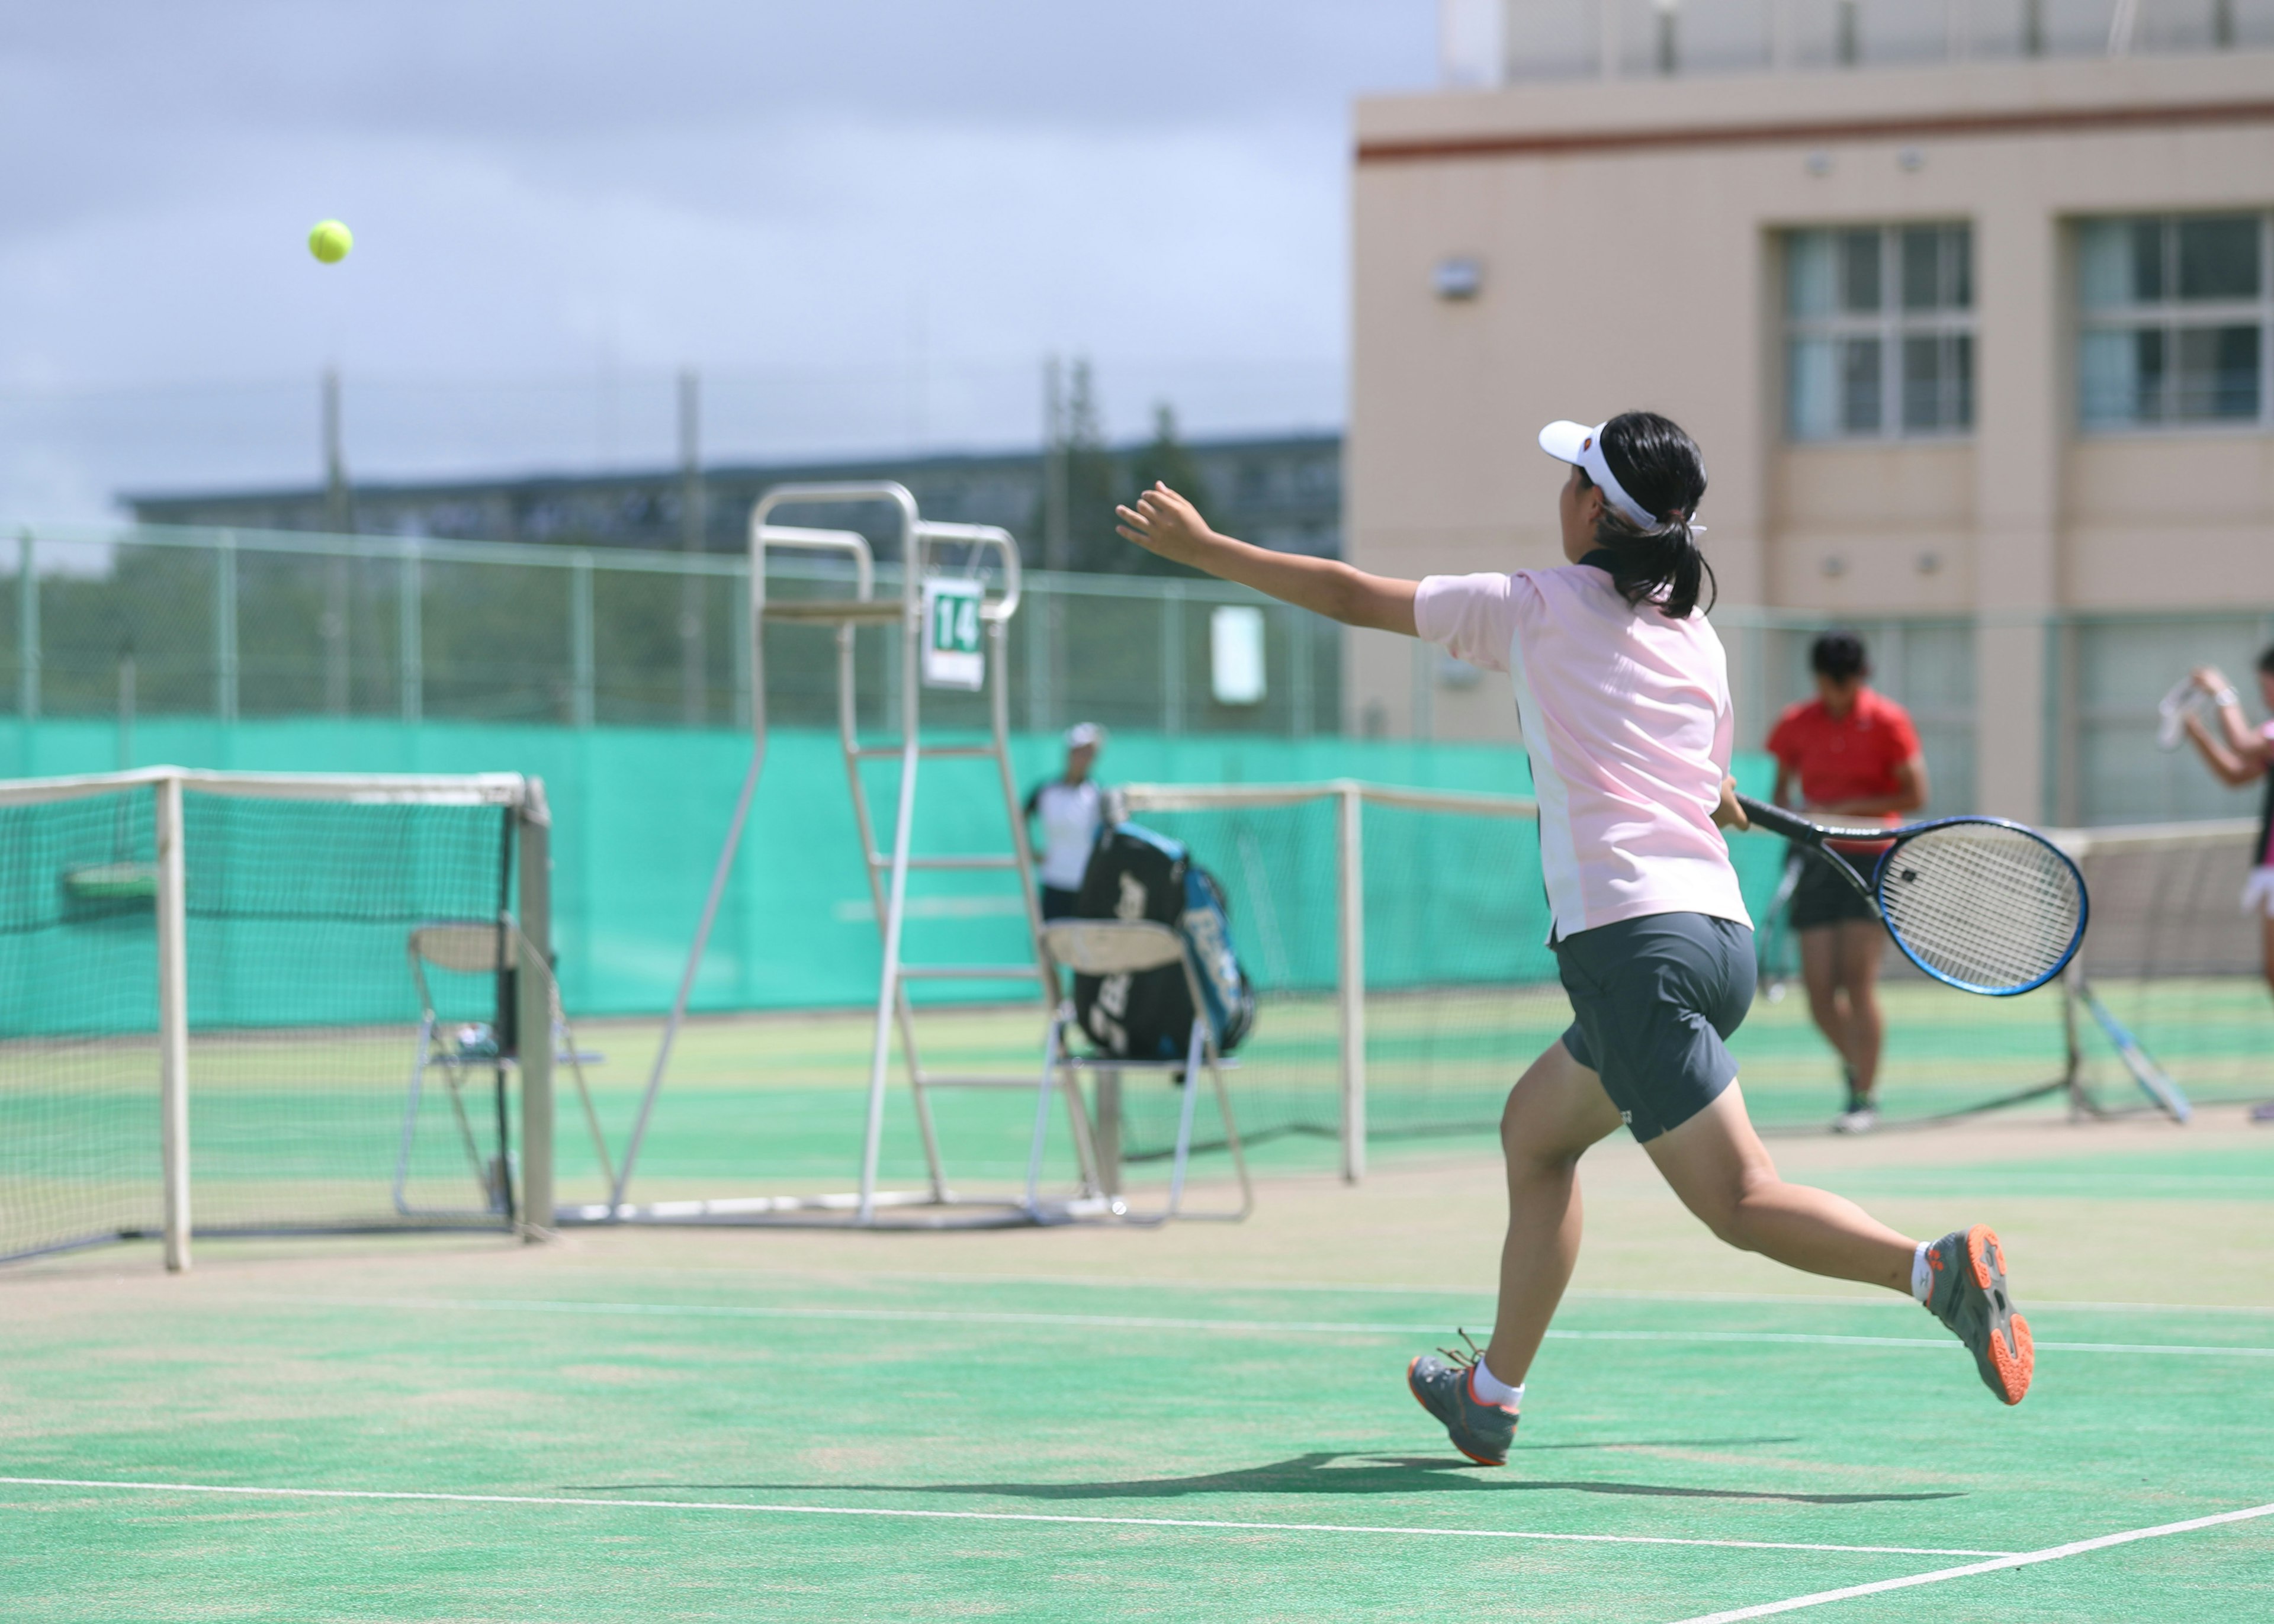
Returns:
point(1493, 1390)
point(1922, 1276)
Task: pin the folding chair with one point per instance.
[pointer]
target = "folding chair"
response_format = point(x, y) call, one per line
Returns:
point(1128, 947)
point(485, 948)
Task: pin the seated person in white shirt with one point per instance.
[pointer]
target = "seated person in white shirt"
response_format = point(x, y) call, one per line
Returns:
point(1623, 696)
point(1069, 808)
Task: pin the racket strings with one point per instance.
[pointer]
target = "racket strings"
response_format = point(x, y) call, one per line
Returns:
point(1983, 905)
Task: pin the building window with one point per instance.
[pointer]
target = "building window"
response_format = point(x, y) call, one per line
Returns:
point(2175, 313)
point(1878, 332)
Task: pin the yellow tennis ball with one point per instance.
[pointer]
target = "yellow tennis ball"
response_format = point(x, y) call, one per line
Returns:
point(330, 241)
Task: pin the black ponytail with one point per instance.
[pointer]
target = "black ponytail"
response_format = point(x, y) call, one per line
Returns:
point(1661, 468)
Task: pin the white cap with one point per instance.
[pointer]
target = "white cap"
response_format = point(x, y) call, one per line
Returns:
point(1576, 443)
point(1083, 733)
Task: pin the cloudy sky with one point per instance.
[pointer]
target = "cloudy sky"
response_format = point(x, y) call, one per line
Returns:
point(865, 221)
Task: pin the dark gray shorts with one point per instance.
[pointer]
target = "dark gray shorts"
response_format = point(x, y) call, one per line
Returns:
point(1653, 999)
point(1821, 898)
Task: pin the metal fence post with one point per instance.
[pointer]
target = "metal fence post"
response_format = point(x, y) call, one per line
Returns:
point(225, 677)
point(1170, 606)
point(738, 643)
point(580, 640)
point(534, 988)
point(1351, 981)
point(27, 627)
point(410, 656)
point(337, 602)
point(173, 1025)
point(1425, 691)
point(1038, 656)
point(1301, 654)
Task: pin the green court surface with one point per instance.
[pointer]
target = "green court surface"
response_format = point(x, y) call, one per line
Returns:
point(1197, 1423)
point(303, 1127)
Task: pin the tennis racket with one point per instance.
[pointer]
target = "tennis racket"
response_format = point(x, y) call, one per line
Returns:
point(1979, 903)
point(2154, 1081)
point(1774, 962)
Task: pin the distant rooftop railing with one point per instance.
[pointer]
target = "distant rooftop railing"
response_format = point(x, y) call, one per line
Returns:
point(1484, 43)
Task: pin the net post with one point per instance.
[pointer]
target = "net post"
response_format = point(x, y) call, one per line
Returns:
point(534, 991)
point(1349, 982)
point(173, 1023)
point(2080, 1103)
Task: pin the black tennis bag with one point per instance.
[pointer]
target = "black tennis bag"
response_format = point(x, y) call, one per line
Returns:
point(1136, 874)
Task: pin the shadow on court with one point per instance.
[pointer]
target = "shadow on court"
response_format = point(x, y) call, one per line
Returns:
point(1321, 1473)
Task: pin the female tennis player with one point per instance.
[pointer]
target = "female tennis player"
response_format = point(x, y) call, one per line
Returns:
point(1622, 694)
point(2243, 755)
point(1852, 752)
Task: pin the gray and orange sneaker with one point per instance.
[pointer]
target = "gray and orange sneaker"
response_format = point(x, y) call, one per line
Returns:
point(1968, 1294)
point(1446, 1389)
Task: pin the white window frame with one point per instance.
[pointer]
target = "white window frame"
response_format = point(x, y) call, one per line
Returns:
point(1890, 325)
point(2170, 314)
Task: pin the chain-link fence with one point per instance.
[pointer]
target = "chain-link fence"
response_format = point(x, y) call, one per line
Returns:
point(103, 622)
point(2101, 679)
point(243, 624)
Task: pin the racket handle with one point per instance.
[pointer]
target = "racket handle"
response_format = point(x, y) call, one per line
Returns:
point(1777, 821)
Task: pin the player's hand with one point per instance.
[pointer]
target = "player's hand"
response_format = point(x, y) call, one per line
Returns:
point(1730, 814)
point(1164, 523)
point(2212, 680)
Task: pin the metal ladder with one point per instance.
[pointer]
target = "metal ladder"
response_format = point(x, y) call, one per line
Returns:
point(887, 871)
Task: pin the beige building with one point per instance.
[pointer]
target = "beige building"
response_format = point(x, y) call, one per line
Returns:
point(1976, 341)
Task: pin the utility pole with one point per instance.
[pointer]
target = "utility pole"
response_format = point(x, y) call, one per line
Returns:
point(694, 702)
point(340, 520)
point(1055, 539)
point(1057, 542)
point(126, 705)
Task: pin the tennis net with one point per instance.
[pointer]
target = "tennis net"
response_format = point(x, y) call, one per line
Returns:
point(292, 999)
point(1452, 990)
point(2177, 959)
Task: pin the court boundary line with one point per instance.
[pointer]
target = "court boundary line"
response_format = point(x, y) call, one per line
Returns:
point(1875, 1299)
point(2026, 1559)
point(258, 1490)
point(1139, 1322)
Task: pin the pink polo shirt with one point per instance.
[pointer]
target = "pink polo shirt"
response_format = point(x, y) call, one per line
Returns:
point(1626, 718)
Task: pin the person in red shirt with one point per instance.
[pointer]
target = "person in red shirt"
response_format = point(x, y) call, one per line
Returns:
point(1851, 753)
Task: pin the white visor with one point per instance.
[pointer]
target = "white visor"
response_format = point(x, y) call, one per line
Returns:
point(1578, 444)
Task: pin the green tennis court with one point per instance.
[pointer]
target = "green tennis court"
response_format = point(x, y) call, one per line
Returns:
point(1202, 1422)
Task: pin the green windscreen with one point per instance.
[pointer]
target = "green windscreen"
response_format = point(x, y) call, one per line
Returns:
point(1460, 988)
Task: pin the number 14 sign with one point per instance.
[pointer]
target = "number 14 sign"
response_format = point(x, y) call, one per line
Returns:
point(951, 643)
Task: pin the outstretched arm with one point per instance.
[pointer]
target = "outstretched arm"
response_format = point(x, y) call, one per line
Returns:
point(2245, 755)
point(2230, 767)
point(1164, 523)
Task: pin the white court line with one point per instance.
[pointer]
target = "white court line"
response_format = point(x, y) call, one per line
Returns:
point(1876, 1299)
point(2051, 1553)
point(1139, 1322)
point(965, 1517)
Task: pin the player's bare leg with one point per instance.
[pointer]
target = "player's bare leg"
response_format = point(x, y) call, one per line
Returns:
point(1819, 972)
point(1723, 1173)
point(2264, 1111)
point(1557, 1109)
point(1829, 960)
point(1719, 1166)
point(1556, 1112)
point(1861, 943)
